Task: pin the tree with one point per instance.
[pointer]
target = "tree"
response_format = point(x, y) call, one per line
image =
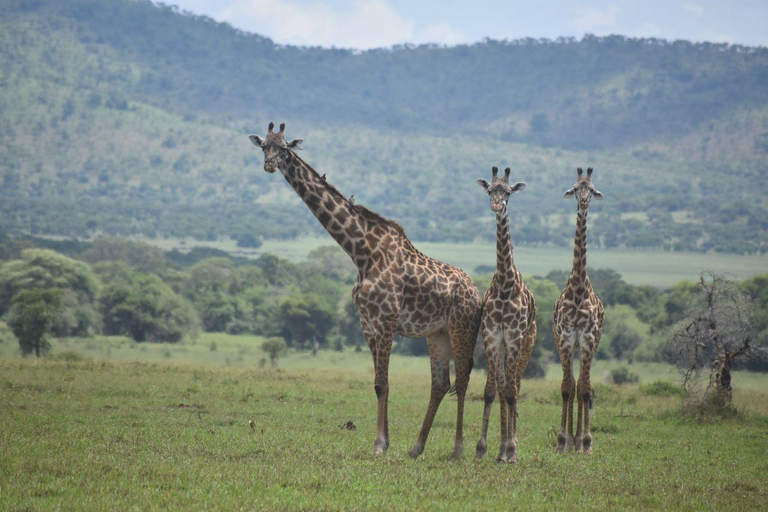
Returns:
point(32, 315)
point(142, 306)
point(306, 319)
point(139, 255)
point(715, 334)
point(47, 270)
point(274, 347)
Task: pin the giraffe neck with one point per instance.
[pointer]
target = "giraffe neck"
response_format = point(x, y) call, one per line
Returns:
point(506, 273)
point(334, 211)
point(578, 279)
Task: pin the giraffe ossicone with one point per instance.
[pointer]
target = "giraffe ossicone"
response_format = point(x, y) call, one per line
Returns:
point(508, 325)
point(398, 289)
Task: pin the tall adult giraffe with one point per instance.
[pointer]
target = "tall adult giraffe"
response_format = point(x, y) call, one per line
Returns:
point(577, 323)
point(398, 289)
point(508, 324)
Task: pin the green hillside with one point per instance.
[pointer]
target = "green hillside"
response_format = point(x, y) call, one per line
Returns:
point(126, 117)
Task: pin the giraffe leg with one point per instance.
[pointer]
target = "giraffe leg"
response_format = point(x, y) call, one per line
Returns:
point(489, 395)
point(501, 385)
point(521, 364)
point(381, 347)
point(510, 398)
point(584, 441)
point(463, 344)
point(440, 357)
point(568, 390)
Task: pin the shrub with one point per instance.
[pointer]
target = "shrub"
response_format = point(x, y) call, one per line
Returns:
point(661, 388)
point(69, 356)
point(622, 375)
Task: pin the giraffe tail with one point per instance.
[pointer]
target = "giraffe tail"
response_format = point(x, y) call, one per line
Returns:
point(452, 389)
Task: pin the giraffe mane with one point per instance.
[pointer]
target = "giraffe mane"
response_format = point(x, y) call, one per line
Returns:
point(367, 214)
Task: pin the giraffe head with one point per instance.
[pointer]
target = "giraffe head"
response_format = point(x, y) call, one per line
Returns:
point(583, 189)
point(499, 189)
point(276, 150)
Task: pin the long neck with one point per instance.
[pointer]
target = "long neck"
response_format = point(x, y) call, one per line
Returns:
point(334, 212)
point(579, 272)
point(506, 273)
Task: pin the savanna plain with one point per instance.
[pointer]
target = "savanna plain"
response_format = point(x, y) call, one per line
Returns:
point(114, 424)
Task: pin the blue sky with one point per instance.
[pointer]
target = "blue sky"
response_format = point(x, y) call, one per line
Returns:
point(367, 24)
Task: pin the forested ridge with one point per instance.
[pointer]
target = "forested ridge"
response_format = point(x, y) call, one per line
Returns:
point(124, 117)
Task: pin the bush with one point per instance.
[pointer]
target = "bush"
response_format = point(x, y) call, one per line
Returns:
point(622, 375)
point(661, 388)
point(69, 356)
point(535, 370)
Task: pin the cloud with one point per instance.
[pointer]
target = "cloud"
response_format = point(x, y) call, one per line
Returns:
point(697, 10)
point(592, 20)
point(360, 24)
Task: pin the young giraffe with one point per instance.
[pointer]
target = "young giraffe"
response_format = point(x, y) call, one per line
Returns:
point(398, 289)
point(577, 322)
point(508, 323)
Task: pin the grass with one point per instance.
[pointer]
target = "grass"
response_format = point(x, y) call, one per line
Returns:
point(83, 433)
point(656, 268)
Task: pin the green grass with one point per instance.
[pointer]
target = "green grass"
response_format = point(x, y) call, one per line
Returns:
point(103, 435)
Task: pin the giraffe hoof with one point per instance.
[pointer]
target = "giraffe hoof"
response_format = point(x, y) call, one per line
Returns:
point(380, 447)
point(480, 451)
point(457, 452)
point(416, 451)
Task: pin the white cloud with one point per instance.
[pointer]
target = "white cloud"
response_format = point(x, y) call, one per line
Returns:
point(441, 33)
point(697, 10)
point(592, 20)
point(361, 24)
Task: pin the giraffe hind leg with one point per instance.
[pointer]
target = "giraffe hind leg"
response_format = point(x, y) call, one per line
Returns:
point(440, 357)
point(489, 395)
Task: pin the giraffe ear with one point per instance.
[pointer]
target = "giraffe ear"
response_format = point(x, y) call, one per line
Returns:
point(483, 183)
point(517, 187)
point(294, 144)
point(597, 194)
point(569, 192)
point(258, 141)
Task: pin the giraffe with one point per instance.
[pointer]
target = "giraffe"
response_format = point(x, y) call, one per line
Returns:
point(398, 289)
point(508, 324)
point(577, 323)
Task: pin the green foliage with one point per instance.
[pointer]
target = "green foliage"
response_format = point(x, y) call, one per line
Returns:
point(622, 375)
point(31, 318)
point(307, 319)
point(142, 306)
point(661, 388)
point(6, 334)
point(85, 72)
point(45, 269)
point(274, 347)
point(139, 255)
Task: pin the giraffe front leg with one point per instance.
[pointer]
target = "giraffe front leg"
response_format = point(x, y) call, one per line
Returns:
point(440, 358)
point(568, 391)
point(501, 385)
point(489, 395)
point(381, 351)
point(510, 397)
point(584, 440)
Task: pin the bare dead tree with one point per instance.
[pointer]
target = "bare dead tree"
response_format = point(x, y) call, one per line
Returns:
point(715, 335)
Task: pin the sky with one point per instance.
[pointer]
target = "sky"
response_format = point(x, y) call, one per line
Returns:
point(364, 24)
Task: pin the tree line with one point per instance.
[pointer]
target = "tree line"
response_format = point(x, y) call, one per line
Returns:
point(118, 287)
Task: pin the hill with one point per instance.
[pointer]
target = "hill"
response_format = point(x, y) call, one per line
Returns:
point(125, 117)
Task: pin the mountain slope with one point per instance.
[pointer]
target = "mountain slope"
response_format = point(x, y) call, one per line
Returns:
point(125, 117)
